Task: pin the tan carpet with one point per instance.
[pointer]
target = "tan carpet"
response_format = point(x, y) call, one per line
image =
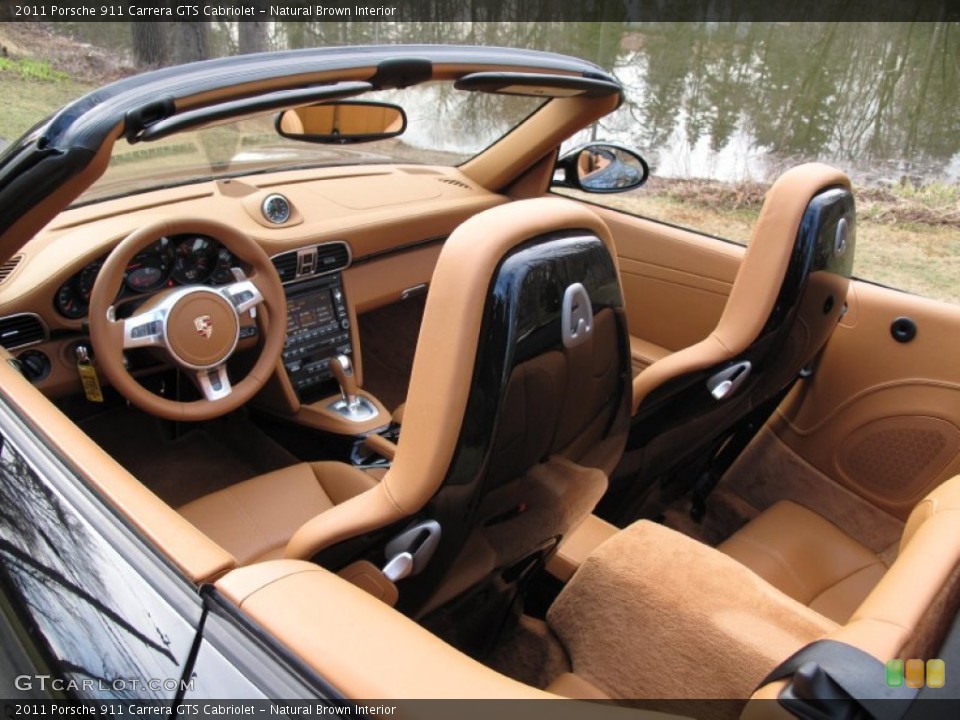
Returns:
point(201, 459)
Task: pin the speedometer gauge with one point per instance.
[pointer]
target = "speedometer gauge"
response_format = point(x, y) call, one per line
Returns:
point(150, 268)
point(196, 259)
point(73, 297)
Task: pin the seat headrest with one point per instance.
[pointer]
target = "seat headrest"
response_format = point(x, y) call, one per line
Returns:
point(758, 281)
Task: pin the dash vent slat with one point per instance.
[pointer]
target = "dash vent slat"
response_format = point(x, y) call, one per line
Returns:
point(311, 261)
point(454, 183)
point(19, 330)
point(6, 270)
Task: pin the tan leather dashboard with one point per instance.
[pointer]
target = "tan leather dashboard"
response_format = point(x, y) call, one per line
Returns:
point(392, 217)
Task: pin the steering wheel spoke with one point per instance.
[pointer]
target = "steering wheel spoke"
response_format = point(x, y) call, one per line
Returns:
point(143, 330)
point(214, 383)
point(243, 295)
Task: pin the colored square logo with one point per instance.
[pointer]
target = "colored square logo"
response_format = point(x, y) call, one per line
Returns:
point(936, 673)
point(914, 673)
point(894, 673)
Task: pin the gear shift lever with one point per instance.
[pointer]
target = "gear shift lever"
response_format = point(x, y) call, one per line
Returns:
point(342, 370)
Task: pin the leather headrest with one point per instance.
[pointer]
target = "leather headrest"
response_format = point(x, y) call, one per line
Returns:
point(761, 274)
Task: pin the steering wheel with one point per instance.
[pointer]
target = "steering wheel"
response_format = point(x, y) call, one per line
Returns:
point(197, 326)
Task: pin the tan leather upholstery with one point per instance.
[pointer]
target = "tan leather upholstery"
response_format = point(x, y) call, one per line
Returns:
point(379, 653)
point(643, 354)
point(650, 608)
point(758, 280)
point(578, 545)
point(443, 371)
point(808, 558)
point(907, 613)
point(254, 519)
point(195, 555)
point(432, 416)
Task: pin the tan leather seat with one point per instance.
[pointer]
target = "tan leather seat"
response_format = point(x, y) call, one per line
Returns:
point(784, 304)
point(538, 429)
point(808, 558)
point(654, 614)
point(254, 520)
point(907, 614)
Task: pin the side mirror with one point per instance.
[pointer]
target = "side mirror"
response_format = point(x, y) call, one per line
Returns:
point(341, 123)
point(601, 168)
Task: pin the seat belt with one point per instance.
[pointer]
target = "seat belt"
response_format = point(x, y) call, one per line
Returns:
point(835, 681)
point(723, 458)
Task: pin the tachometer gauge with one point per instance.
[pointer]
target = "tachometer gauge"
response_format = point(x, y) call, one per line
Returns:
point(150, 268)
point(196, 259)
point(226, 260)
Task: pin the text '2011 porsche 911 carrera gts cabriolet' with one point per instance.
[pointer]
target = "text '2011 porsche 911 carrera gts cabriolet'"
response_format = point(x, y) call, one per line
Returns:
point(303, 399)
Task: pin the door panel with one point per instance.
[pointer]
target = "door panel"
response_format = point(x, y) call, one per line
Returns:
point(109, 619)
point(882, 417)
point(675, 281)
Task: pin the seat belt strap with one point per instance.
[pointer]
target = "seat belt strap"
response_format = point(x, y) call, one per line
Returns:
point(830, 679)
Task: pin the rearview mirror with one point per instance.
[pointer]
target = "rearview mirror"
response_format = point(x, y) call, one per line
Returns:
point(601, 168)
point(342, 122)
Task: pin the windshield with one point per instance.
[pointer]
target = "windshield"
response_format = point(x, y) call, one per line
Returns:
point(445, 127)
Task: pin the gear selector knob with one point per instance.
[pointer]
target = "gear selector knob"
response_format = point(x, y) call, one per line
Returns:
point(342, 370)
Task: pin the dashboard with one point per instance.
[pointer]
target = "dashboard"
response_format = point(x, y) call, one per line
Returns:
point(167, 263)
point(350, 240)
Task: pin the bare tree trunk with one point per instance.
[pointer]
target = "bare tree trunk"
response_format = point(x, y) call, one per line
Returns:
point(149, 43)
point(253, 35)
point(191, 41)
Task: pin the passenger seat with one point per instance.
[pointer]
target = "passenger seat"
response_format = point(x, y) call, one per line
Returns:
point(815, 562)
point(808, 558)
point(651, 613)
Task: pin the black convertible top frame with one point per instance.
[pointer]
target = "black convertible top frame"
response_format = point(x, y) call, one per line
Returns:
point(63, 146)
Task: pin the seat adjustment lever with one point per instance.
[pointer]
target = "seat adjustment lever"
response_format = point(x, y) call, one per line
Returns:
point(410, 551)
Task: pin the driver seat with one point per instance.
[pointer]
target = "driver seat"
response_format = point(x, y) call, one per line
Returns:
point(493, 397)
point(254, 520)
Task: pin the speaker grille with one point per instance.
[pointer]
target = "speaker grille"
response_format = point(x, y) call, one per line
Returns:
point(897, 457)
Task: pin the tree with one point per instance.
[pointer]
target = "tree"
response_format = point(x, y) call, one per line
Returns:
point(191, 41)
point(253, 34)
point(149, 43)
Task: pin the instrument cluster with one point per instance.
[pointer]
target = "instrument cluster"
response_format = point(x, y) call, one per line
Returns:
point(169, 262)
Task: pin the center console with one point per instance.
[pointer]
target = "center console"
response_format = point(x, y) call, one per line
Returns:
point(318, 350)
point(318, 329)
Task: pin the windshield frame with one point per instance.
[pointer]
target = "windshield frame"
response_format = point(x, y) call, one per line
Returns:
point(357, 154)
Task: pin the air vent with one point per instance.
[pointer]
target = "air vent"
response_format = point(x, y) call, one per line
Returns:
point(455, 183)
point(286, 265)
point(19, 330)
point(311, 261)
point(6, 270)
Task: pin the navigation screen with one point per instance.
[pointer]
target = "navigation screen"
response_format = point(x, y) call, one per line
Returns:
point(311, 311)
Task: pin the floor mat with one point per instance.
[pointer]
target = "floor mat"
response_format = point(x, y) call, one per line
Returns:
point(181, 462)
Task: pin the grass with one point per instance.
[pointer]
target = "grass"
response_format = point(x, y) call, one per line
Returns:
point(29, 91)
point(907, 237)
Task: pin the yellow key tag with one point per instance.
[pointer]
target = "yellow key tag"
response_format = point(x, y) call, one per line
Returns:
point(88, 376)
